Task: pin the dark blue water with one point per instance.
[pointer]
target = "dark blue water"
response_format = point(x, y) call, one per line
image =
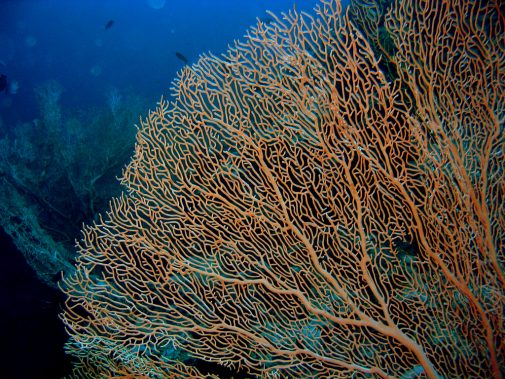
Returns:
point(91, 47)
point(67, 41)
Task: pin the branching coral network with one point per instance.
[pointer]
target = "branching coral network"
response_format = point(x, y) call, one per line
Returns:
point(296, 211)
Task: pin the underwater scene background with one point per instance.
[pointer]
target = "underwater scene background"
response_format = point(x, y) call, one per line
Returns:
point(204, 189)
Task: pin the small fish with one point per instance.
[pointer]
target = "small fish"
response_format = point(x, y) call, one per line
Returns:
point(181, 57)
point(109, 24)
point(3, 83)
point(267, 20)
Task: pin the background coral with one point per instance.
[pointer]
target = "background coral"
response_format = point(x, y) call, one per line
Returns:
point(50, 183)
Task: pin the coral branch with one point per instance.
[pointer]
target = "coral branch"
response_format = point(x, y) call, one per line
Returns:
point(292, 212)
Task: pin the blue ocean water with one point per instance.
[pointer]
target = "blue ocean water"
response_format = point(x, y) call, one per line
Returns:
point(68, 41)
point(92, 48)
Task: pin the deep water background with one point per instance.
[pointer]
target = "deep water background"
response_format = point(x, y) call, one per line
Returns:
point(67, 41)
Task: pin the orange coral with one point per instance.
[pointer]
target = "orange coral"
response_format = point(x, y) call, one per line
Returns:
point(294, 214)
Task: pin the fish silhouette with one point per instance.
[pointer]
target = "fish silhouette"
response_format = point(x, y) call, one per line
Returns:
point(3, 83)
point(181, 57)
